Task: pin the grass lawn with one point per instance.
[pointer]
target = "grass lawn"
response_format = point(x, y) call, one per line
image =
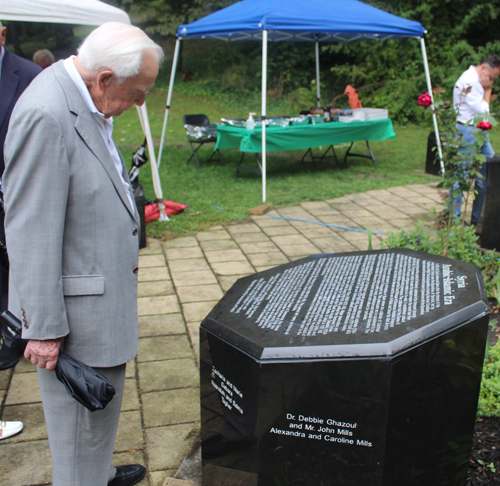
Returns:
point(214, 195)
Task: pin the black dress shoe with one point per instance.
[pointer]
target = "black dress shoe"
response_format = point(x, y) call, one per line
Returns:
point(9, 356)
point(128, 475)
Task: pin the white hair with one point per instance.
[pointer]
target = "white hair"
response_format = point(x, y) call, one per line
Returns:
point(43, 54)
point(1, 24)
point(118, 47)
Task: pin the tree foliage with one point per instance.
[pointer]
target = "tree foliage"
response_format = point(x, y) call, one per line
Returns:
point(164, 16)
point(459, 33)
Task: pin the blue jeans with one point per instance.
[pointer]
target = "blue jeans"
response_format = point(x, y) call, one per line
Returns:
point(467, 133)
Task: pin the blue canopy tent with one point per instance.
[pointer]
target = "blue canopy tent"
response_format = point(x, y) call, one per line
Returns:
point(317, 21)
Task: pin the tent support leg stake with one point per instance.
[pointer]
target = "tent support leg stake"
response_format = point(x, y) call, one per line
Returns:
point(169, 97)
point(318, 89)
point(143, 116)
point(434, 117)
point(264, 111)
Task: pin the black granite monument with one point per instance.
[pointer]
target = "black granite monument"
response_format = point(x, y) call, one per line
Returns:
point(432, 163)
point(356, 369)
point(490, 236)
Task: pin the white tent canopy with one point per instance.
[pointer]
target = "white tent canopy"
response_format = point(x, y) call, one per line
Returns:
point(82, 12)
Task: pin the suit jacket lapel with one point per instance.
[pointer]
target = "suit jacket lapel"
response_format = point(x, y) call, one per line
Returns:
point(86, 126)
point(8, 85)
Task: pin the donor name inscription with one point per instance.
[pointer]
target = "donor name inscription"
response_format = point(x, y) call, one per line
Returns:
point(323, 429)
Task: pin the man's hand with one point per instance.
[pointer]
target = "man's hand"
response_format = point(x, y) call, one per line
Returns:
point(487, 76)
point(43, 353)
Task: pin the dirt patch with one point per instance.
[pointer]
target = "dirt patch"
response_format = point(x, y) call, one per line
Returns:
point(485, 458)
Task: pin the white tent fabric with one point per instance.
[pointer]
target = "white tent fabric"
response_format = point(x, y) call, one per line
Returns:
point(82, 12)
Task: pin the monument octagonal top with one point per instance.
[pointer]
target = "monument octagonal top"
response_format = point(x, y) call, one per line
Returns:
point(372, 303)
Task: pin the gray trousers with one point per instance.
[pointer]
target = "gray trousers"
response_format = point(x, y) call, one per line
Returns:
point(81, 442)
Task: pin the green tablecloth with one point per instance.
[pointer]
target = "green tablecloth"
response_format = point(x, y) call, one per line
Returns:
point(303, 136)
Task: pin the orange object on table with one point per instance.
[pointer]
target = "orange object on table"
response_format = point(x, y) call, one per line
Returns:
point(353, 96)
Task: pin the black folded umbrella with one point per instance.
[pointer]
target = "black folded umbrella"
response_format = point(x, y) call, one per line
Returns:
point(86, 385)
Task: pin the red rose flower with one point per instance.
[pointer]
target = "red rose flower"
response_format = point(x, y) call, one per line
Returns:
point(425, 100)
point(484, 125)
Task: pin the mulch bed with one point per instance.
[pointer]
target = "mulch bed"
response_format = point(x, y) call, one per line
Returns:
point(485, 458)
point(484, 467)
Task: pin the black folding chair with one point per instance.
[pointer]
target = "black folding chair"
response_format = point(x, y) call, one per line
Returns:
point(199, 132)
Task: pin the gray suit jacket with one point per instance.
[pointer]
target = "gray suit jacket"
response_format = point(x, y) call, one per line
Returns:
point(72, 235)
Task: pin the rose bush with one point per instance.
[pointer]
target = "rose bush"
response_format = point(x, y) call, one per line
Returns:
point(484, 125)
point(425, 100)
point(462, 160)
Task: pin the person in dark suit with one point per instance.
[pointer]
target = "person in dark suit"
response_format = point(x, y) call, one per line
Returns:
point(16, 74)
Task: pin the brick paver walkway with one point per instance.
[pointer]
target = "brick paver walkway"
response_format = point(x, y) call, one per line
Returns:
point(179, 283)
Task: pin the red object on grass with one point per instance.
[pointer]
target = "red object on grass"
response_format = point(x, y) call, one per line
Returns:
point(425, 100)
point(152, 212)
point(484, 125)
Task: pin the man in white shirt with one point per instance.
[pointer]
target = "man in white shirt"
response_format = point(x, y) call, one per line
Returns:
point(471, 97)
point(73, 236)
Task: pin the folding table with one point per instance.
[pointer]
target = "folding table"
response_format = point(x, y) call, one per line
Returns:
point(294, 137)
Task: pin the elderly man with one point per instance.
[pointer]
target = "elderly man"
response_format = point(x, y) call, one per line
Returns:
point(471, 97)
point(72, 231)
point(16, 74)
point(44, 58)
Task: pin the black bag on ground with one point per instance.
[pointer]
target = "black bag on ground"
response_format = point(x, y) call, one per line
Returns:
point(86, 385)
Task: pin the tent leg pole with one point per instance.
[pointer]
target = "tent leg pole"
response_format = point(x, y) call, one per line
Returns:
point(264, 111)
point(434, 117)
point(143, 115)
point(169, 97)
point(318, 89)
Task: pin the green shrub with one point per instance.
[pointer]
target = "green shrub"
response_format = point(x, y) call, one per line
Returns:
point(464, 247)
point(489, 397)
